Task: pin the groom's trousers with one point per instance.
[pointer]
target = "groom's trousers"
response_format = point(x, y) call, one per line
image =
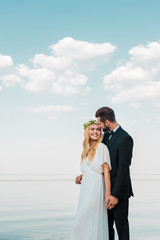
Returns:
point(119, 216)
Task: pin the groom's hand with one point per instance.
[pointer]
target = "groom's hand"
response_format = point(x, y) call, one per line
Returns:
point(78, 179)
point(112, 202)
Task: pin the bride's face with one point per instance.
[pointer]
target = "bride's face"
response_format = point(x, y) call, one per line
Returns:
point(94, 132)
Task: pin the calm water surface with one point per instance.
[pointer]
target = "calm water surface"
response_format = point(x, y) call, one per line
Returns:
point(44, 209)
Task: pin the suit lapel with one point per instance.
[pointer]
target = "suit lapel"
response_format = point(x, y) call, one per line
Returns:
point(114, 137)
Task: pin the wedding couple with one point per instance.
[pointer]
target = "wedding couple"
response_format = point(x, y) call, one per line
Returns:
point(105, 183)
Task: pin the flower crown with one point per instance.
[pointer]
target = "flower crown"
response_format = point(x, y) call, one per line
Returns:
point(87, 124)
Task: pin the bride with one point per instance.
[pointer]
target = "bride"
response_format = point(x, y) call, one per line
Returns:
point(91, 220)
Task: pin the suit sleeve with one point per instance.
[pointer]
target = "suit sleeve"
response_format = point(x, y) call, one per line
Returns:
point(104, 138)
point(124, 156)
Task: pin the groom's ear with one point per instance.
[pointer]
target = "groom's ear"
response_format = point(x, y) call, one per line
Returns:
point(107, 122)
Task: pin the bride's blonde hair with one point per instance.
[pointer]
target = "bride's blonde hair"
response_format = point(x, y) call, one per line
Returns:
point(89, 152)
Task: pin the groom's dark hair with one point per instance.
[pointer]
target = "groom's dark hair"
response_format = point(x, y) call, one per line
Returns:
point(105, 113)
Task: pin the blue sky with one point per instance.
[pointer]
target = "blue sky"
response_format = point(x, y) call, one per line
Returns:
point(62, 60)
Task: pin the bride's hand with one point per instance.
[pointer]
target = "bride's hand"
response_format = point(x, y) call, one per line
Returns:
point(78, 179)
point(107, 201)
point(112, 201)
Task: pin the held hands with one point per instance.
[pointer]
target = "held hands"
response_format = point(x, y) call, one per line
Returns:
point(111, 201)
point(78, 179)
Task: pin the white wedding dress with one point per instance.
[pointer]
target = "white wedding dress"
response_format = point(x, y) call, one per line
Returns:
point(91, 220)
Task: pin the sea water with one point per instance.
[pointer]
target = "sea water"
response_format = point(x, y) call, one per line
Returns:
point(42, 207)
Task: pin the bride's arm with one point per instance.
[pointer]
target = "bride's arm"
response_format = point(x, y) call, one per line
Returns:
point(107, 181)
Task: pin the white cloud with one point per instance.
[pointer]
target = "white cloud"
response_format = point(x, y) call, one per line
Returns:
point(53, 63)
point(5, 61)
point(81, 50)
point(148, 55)
point(36, 80)
point(10, 80)
point(129, 74)
point(48, 109)
point(63, 72)
point(138, 92)
point(138, 79)
point(45, 80)
point(81, 55)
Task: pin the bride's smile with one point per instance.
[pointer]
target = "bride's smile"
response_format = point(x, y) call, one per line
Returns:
point(94, 132)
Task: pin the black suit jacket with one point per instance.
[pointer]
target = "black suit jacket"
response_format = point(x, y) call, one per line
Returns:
point(120, 148)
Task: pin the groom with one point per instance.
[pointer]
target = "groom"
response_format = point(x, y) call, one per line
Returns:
point(120, 145)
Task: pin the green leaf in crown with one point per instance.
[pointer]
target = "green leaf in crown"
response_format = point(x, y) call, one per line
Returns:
point(87, 124)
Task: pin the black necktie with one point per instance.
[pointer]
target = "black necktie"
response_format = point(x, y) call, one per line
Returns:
point(110, 134)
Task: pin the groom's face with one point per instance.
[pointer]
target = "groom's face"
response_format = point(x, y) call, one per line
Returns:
point(104, 126)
